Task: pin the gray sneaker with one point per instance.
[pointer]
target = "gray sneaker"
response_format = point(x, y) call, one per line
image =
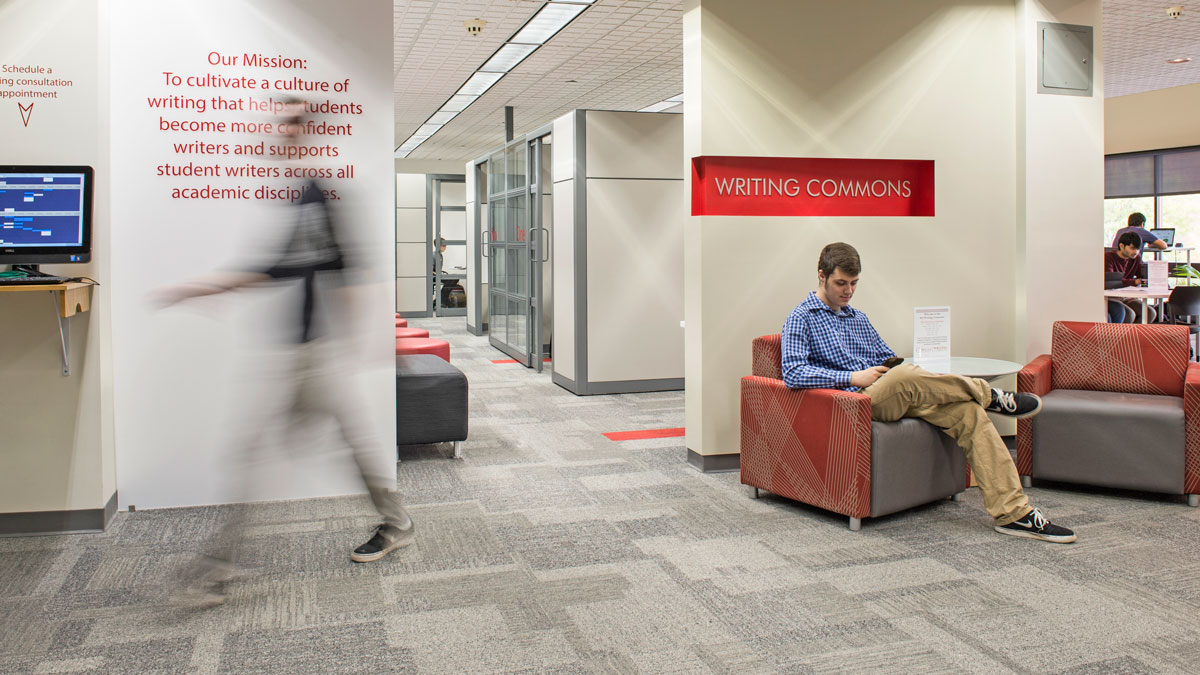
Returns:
point(387, 538)
point(1036, 526)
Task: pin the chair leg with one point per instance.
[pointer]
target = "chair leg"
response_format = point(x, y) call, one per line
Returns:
point(458, 449)
point(1193, 500)
point(855, 524)
point(1026, 481)
point(753, 492)
point(956, 497)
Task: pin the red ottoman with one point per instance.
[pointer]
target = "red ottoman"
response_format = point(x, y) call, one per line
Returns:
point(423, 346)
point(411, 332)
point(401, 323)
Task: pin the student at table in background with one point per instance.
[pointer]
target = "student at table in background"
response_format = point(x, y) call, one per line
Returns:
point(1124, 260)
point(1137, 224)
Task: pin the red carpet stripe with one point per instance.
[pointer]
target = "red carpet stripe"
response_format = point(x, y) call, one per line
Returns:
point(644, 434)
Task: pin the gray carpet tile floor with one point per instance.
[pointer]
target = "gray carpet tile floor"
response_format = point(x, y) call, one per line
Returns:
point(551, 549)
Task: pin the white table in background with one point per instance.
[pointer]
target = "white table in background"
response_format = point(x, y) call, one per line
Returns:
point(1158, 253)
point(1139, 293)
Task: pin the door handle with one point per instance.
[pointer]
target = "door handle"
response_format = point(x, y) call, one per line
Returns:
point(487, 234)
point(546, 244)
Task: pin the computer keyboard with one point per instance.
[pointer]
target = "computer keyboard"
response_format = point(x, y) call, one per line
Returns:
point(32, 281)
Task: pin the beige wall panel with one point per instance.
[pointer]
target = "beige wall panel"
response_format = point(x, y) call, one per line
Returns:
point(412, 294)
point(453, 194)
point(1153, 120)
point(411, 260)
point(410, 190)
point(454, 224)
point(563, 149)
point(924, 80)
point(562, 245)
point(634, 279)
point(634, 145)
point(410, 224)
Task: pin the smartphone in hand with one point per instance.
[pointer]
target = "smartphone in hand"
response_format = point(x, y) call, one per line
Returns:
point(893, 362)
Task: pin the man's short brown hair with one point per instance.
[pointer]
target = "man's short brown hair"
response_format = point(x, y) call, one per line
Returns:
point(839, 256)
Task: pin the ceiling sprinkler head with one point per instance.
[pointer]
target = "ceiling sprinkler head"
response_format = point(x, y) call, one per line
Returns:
point(1175, 12)
point(474, 26)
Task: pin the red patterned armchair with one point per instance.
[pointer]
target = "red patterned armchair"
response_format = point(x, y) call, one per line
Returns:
point(820, 447)
point(1120, 408)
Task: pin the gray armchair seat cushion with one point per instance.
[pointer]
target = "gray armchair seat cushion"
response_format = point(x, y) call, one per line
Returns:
point(913, 463)
point(1130, 441)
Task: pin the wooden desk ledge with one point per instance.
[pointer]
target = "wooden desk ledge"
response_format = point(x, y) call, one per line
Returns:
point(74, 297)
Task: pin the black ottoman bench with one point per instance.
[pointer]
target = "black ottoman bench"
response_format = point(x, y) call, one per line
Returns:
point(431, 402)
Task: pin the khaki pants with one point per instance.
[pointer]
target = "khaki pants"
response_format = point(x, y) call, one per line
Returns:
point(955, 404)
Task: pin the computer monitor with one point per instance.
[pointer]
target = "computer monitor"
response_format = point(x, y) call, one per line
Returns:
point(45, 214)
point(1167, 234)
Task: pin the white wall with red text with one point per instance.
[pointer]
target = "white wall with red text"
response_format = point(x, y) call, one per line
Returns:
point(186, 375)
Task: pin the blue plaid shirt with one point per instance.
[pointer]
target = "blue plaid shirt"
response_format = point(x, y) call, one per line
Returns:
point(822, 348)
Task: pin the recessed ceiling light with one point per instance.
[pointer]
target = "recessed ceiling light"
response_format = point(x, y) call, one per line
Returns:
point(1182, 59)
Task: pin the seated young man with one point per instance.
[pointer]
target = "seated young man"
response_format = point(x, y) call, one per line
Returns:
point(829, 345)
point(1126, 260)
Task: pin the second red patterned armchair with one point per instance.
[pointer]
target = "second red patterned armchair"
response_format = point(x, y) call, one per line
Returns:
point(820, 447)
point(1120, 408)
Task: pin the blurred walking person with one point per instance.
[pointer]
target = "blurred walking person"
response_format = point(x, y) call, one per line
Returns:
point(317, 383)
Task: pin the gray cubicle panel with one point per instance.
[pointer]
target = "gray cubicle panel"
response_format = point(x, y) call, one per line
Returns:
point(619, 213)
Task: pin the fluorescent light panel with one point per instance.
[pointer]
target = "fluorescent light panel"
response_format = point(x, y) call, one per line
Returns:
point(458, 103)
point(507, 58)
point(441, 117)
point(479, 83)
point(549, 20)
point(664, 104)
point(661, 105)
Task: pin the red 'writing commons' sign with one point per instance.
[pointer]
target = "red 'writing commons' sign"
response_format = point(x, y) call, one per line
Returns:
point(811, 186)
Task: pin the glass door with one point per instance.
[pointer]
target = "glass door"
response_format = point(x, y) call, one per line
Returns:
point(449, 246)
point(507, 247)
point(538, 249)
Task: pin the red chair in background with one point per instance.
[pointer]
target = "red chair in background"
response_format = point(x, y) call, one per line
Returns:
point(1120, 408)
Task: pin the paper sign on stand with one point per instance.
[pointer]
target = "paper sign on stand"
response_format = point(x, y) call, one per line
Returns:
point(1158, 275)
point(931, 338)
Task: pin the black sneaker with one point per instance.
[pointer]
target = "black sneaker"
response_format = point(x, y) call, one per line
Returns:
point(1035, 526)
point(1014, 404)
point(387, 538)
